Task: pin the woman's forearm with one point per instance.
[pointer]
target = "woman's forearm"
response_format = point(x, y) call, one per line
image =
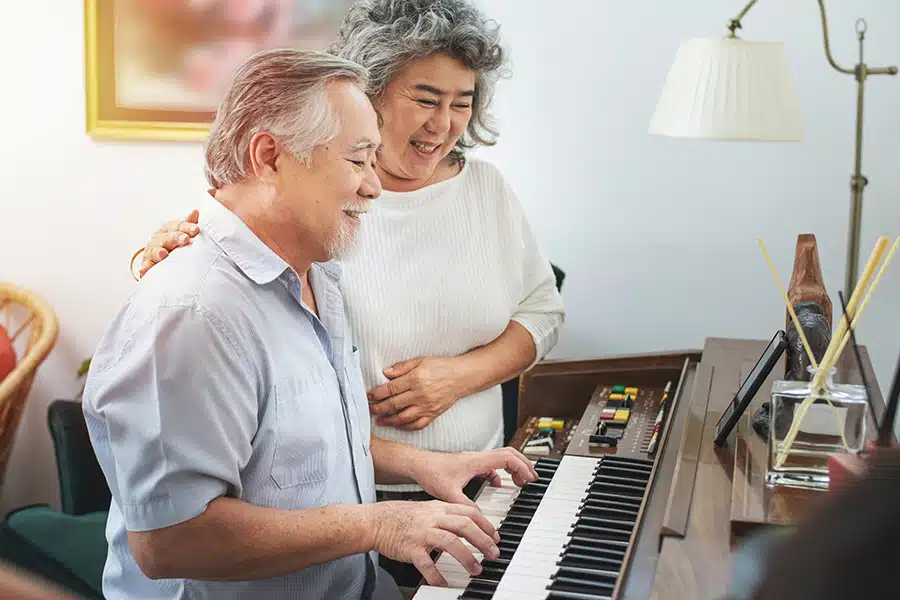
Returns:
point(500, 360)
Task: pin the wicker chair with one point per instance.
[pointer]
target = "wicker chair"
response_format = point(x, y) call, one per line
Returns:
point(23, 313)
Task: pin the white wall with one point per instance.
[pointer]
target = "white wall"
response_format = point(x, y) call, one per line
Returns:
point(656, 235)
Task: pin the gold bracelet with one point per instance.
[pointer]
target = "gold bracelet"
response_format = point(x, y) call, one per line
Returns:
point(131, 264)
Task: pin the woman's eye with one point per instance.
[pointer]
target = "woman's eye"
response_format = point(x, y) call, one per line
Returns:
point(462, 106)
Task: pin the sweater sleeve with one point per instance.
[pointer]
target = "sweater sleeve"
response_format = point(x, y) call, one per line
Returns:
point(540, 309)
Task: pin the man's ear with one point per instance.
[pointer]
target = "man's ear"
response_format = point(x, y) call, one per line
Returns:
point(264, 153)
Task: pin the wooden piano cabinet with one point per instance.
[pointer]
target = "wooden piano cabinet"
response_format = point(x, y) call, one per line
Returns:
point(702, 498)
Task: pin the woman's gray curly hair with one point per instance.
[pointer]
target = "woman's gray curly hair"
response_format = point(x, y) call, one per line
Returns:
point(383, 35)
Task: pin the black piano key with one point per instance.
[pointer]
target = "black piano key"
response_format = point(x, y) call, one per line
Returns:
point(476, 595)
point(511, 531)
point(601, 533)
point(618, 478)
point(585, 561)
point(530, 493)
point(637, 463)
point(625, 501)
point(535, 485)
point(624, 471)
point(611, 487)
point(491, 572)
point(526, 502)
point(581, 538)
point(635, 478)
point(590, 576)
point(525, 511)
point(566, 584)
point(561, 595)
point(516, 517)
point(624, 525)
point(606, 511)
point(484, 585)
point(509, 542)
point(597, 550)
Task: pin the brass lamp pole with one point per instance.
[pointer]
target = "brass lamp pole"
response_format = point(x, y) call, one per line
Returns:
point(857, 181)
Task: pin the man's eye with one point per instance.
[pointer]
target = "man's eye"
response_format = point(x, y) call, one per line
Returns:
point(428, 102)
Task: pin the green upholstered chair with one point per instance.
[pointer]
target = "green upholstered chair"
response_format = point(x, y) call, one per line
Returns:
point(68, 546)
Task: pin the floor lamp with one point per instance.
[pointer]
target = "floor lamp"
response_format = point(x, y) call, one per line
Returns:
point(729, 88)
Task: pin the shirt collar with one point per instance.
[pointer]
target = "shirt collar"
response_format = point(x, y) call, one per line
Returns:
point(240, 244)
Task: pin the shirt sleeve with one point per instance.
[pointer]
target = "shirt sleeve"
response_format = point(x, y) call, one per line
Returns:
point(176, 409)
point(540, 309)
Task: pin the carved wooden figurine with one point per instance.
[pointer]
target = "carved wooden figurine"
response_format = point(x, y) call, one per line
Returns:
point(812, 305)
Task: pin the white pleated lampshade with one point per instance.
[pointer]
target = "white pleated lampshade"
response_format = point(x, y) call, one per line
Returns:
point(729, 89)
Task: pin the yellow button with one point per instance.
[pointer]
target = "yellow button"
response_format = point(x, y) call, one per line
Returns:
point(617, 396)
point(622, 414)
point(631, 390)
point(558, 424)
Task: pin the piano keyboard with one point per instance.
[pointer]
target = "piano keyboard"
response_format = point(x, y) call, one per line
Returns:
point(562, 537)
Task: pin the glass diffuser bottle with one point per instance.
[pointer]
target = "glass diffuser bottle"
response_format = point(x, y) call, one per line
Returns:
point(807, 425)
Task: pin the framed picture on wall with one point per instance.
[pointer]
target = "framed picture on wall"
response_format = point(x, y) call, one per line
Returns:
point(156, 69)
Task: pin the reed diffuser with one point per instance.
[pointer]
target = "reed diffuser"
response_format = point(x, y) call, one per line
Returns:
point(811, 421)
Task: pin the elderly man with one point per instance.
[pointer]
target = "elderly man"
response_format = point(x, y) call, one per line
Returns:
point(225, 402)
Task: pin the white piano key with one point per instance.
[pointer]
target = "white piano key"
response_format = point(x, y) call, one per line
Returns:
point(427, 592)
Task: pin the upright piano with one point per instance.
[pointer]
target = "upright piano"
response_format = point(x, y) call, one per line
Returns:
point(634, 500)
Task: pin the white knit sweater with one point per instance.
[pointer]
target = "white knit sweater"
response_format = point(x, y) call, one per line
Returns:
point(438, 272)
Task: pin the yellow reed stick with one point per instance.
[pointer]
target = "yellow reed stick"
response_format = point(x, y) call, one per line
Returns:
point(787, 302)
point(831, 353)
point(865, 301)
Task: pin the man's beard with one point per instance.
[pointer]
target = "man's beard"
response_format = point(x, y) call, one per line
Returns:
point(342, 243)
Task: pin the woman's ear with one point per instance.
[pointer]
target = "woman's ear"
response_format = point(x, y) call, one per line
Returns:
point(264, 153)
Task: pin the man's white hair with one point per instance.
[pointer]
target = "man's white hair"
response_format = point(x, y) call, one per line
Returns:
point(281, 92)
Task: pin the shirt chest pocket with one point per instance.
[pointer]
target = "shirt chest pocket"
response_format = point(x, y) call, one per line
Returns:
point(306, 411)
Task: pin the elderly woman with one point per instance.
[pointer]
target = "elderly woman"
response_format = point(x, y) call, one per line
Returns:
point(448, 293)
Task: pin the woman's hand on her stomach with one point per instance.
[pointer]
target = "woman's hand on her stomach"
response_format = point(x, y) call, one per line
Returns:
point(419, 391)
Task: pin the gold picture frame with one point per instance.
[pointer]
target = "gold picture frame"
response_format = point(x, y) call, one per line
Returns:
point(124, 102)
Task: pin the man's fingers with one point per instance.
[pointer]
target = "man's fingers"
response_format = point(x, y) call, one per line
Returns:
point(428, 570)
point(449, 542)
point(514, 463)
point(459, 498)
point(477, 517)
point(492, 478)
point(465, 527)
point(525, 460)
point(193, 216)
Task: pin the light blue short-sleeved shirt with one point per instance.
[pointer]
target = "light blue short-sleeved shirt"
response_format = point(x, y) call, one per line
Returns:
point(215, 380)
